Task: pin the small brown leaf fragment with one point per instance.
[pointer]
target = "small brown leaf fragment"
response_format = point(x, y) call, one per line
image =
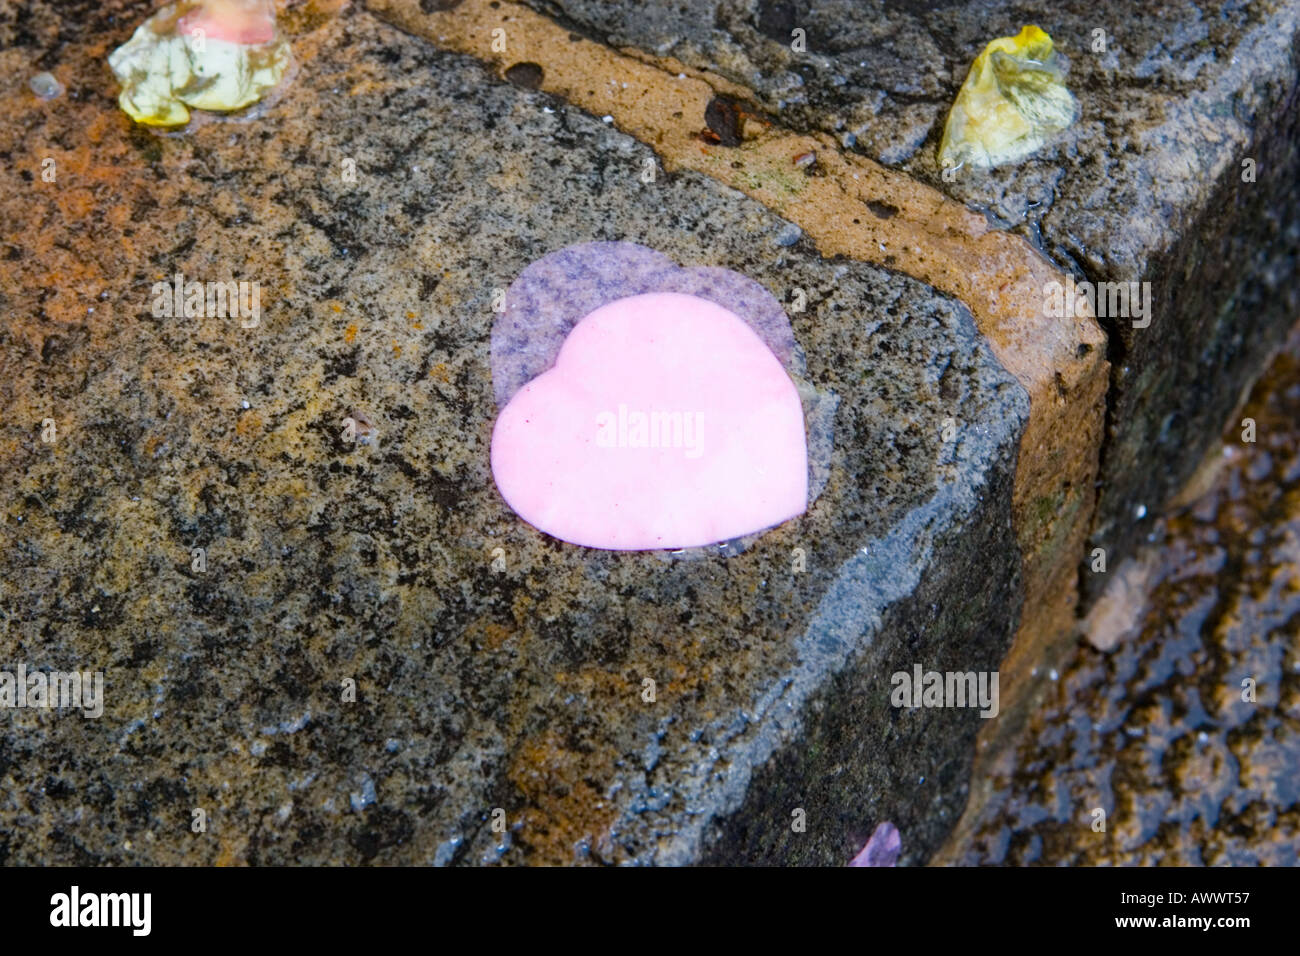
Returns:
point(723, 116)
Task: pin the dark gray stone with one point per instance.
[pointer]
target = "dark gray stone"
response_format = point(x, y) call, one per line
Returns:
point(326, 560)
point(1146, 187)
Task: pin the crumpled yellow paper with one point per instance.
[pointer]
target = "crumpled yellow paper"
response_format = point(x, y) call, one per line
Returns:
point(197, 54)
point(1013, 101)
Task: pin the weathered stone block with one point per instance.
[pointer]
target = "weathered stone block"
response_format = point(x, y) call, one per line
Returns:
point(476, 689)
point(1182, 173)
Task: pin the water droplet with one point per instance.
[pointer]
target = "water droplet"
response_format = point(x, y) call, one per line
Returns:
point(45, 86)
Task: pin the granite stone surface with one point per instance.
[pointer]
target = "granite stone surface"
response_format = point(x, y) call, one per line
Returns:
point(1181, 172)
point(1184, 729)
point(379, 202)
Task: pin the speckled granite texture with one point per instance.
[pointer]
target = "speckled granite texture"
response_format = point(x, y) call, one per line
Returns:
point(1147, 187)
point(494, 667)
point(1156, 732)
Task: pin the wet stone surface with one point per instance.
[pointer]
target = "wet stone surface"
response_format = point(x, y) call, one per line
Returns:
point(1155, 732)
point(519, 687)
point(1150, 185)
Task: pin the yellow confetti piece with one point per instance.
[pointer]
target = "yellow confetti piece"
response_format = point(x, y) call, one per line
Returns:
point(218, 55)
point(1013, 101)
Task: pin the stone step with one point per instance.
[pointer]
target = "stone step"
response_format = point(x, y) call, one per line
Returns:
point(494, 668)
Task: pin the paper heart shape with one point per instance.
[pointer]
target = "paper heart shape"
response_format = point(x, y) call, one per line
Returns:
point(665, 422)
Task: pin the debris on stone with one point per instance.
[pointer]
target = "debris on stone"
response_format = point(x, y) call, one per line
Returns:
point(725, 120)
point(46, 86)
point(806, 160)
point(219, 55)
point(363, 428)
point(1013, 101)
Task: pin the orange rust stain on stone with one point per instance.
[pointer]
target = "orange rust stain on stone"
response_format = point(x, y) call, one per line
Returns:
point(350, 333)
point(490, 634)
point(230, 855)
point(250, 423)
point(685, 673)
point(563, 811)
point(107, 208)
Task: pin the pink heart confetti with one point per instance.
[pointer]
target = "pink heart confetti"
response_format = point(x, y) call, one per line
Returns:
point(882, 849)
point(665, 422)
